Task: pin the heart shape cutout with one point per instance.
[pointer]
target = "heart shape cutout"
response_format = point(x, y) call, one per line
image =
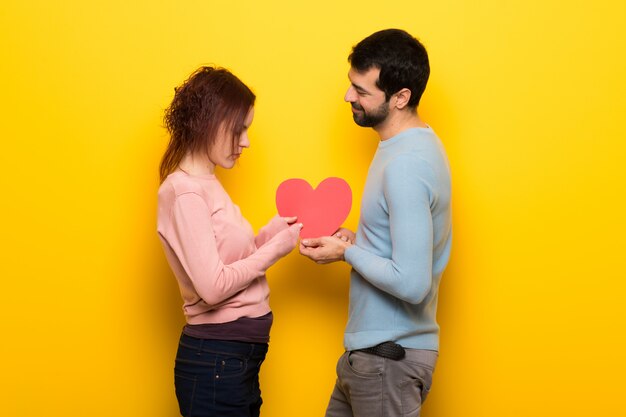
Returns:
point(322, 210)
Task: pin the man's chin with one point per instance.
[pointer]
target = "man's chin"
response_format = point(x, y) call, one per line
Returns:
point(361, 121)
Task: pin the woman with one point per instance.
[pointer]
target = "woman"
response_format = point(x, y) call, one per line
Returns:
point(219, 264)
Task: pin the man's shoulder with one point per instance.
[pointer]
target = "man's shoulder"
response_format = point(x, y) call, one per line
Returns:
point(421, 158)
point(423, 148)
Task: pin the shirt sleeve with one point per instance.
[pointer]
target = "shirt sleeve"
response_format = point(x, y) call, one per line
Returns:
point(408, 274)
point(193, 241)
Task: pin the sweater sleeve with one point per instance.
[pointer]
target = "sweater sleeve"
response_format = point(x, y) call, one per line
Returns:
point(408, 274)
point(193, 241)
point(275, 225)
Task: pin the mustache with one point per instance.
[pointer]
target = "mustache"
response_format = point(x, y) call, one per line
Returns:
point(356, 106)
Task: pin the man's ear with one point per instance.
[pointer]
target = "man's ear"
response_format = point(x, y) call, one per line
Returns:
point(402, 98)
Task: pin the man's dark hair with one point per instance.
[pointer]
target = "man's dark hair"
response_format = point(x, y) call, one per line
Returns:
point(402, 60)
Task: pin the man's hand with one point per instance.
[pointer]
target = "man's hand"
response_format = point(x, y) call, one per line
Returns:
point(324, 250)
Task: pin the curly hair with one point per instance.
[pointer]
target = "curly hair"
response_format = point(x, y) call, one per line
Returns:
point(210, 101)
point(402, 60)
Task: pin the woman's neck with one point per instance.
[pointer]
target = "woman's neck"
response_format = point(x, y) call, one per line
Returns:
point(197, 164)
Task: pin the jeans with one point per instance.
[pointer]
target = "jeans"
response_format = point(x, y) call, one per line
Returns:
point(372, 386)
point(218, 377)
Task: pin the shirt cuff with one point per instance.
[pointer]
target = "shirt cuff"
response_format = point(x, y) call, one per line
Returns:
point(350, 253)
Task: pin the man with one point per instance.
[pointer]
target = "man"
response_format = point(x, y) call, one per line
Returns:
point(403, 241)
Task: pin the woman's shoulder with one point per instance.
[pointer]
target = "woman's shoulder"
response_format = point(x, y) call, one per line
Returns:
point(178, 183)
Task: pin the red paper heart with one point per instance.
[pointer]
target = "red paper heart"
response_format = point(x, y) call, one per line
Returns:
point(322, 210)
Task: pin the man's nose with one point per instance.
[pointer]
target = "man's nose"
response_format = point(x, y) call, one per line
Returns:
point(350, 95)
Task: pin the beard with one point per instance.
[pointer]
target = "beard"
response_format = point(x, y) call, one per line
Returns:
point(372, 119)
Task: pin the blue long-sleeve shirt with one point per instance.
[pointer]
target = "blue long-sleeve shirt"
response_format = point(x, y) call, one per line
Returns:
point(402, 245)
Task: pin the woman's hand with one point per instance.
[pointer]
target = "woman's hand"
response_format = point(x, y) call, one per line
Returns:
point(289, 238)
point(346, 235)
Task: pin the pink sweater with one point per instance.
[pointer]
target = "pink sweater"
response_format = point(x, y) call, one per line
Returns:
point(219, 264)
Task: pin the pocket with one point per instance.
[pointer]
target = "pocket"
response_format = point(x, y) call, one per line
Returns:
point(416, 388)
point(411, 396)
point(185, 387)
point(365, 364)
point(361, 378)
point(229, 366)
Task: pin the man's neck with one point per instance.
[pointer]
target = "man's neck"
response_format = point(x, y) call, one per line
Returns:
point(398, 122)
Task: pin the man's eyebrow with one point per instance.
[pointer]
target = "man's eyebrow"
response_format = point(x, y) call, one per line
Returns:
point(358, 87)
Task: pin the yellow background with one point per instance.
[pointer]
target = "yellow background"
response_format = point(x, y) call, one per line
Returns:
point(528, 97)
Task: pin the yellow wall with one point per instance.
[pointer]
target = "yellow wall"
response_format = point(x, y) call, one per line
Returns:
point(528, 97)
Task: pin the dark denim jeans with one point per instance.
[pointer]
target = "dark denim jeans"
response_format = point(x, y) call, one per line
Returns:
point(218, 377)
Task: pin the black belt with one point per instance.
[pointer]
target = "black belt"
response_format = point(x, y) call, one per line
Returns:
point(389, 350)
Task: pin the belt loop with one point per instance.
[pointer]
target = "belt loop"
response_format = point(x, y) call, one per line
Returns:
point(200, 347)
